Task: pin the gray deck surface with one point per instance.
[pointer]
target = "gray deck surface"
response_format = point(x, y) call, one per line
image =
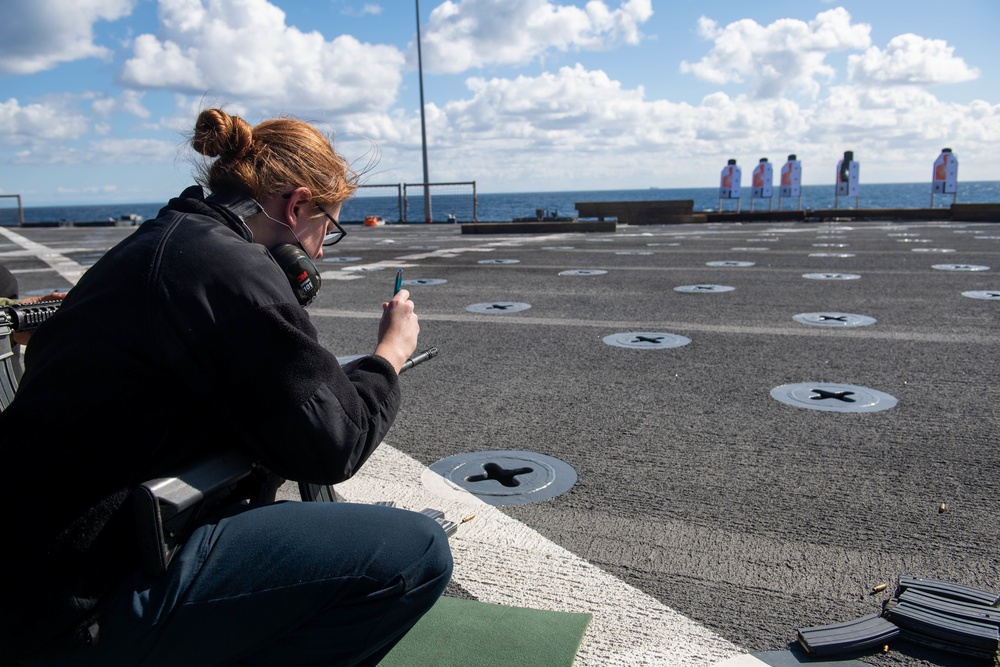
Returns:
point(696, 487)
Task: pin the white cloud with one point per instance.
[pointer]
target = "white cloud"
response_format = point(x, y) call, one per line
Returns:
point(564, 128)
point(101, 151)
point(902, 116)
point(164, 64)
point(130, 101)
point(910, 59)
point(577, 126)
point(470, 34)
point(93, 190)
point(243, 49)
point(577, 112)
point(21, 125)
point(788, 54)
point(366, 9)
point(132, 151)
point(37, 35)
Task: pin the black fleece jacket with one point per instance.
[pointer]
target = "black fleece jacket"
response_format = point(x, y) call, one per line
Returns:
point(184, 337)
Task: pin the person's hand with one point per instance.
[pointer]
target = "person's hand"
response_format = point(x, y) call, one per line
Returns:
point(397, 330)
point(23, 337)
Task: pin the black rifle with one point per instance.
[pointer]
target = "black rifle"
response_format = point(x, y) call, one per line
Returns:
point(18, 318)
point(24, 317)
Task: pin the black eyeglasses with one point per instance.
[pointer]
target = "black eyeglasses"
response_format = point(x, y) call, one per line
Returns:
point(331, 238)
point(336, 236)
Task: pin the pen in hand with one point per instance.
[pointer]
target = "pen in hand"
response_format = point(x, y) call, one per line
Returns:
point(399, 281)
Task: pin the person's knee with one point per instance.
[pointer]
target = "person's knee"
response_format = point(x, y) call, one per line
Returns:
point(439, 550)
point(442, 556)
point(436, 561)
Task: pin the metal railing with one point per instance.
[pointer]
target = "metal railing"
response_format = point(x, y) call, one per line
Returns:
point(383, 201)
point(20, 211)
point(404, 202)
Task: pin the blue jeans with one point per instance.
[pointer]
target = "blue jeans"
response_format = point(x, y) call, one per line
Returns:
point(290, 584)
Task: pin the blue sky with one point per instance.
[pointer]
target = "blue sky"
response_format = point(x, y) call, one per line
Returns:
point(521, 95)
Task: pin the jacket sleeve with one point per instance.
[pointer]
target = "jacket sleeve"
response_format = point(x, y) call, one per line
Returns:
point(291, 402)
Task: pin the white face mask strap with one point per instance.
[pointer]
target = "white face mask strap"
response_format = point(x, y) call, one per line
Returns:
point(283, 224)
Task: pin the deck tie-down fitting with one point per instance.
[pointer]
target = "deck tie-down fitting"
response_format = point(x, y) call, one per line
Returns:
point(502, 477)
point(822, 394)
point(846, 398)
point(496, 307)
point(497, 472)
point(646, 340)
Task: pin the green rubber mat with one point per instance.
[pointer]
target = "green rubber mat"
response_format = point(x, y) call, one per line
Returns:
point(468, 633)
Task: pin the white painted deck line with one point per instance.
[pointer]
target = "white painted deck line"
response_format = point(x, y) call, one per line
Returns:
point(500, 560)
point(64, 266)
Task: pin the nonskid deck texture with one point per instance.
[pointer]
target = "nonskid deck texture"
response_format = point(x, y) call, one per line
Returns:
point(709, 518)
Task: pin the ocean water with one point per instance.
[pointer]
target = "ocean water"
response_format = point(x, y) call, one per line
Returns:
point(500, 207)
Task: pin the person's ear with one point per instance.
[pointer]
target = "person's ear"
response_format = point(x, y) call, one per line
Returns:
point(297, 208)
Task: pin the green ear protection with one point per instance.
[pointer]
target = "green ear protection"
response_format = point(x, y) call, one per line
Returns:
point(300, 270)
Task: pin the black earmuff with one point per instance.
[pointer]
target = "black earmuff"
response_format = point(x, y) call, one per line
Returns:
point(300, 270)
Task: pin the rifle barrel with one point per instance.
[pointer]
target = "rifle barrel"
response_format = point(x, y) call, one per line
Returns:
point(28, 316)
